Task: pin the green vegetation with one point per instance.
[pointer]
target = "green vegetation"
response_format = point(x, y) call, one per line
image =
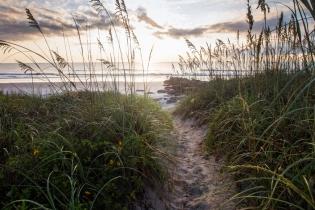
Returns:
point(270, 143)
point(79, 151)
point(86, 148)
point(261, 111)
point(92, 143)
point(265, 127)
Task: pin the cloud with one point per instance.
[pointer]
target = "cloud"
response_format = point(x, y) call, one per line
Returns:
point(229, 27)
point(242, 26)
point(223, 27)
point(179, 32)
point(143, 16)
point(14, 25)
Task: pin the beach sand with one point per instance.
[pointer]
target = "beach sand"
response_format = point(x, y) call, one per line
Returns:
point(155, 90)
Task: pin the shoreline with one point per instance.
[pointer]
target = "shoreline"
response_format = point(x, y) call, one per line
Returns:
point(164, 92)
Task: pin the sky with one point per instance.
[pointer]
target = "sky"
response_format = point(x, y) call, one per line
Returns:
point(161, 25)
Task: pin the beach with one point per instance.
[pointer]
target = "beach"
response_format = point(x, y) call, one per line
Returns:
point(155, 90)
point(162, 105)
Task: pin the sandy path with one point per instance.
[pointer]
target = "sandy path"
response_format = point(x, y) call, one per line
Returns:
point(197, 181)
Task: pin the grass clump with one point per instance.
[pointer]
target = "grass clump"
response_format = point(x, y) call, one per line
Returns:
point(199, 102)
point(259, 105)
point(264, 127)
point(79, 150)
point(270, 145)
point(91, 143)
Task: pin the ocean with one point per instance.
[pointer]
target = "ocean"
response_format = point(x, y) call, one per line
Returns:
point(15, 80)
point(12, 73)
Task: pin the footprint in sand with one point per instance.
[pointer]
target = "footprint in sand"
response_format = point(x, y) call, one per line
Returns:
point(198, 178)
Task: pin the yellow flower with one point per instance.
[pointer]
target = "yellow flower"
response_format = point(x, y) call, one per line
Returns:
point(35, 152)
point(87, 193)
point(111, 162)
point(119, 148)
point(120, 143)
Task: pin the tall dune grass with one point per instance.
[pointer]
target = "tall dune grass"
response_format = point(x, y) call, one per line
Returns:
point(117, 61)
point(288, 48)
point(79, 151)
point(259, 104)
point(91, 144)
